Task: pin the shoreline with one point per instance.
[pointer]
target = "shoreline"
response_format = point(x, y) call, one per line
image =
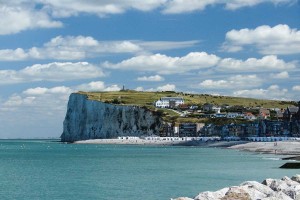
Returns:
point(289, 147)
point(159, 142)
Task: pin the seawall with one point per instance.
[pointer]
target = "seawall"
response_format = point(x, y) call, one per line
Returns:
point(86, 119)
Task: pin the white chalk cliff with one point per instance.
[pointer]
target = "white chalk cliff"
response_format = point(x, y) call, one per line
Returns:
point(87, 119)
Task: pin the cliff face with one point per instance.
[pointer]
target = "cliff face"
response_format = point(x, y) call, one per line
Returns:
point(86, 119)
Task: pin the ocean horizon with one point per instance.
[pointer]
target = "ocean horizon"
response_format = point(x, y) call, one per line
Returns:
point(49, 169)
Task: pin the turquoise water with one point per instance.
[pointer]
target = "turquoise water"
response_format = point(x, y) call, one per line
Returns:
point(37, 169)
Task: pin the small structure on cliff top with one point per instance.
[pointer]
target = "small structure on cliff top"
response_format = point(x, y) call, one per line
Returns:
point(169, 102)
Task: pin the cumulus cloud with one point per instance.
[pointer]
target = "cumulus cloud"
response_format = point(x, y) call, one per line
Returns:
point(68, 8)
point(296, 88)
point(266, 63)
point(97, 86)
point(44, 109)
point(167, 87)
point(13, 55)
point(280, 39)
point(272, 92)
point(238, 81)
point(21, 15)
point(81, 47)
point(42, 90)
point(163, 64)
point(51, 72)
point(155, 78)
point(281, 75)
point(16, 16)
point(183, 6)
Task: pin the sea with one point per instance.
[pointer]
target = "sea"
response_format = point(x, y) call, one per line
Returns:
point(50, 170)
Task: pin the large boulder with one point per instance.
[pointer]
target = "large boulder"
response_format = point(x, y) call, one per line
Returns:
point(296, 178)
point(270, 189)
point(285, 185)
point(212, 195)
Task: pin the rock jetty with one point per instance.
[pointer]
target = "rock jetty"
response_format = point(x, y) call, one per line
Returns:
point(270, 189)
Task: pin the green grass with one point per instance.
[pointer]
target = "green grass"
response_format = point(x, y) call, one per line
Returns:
point(147, 99)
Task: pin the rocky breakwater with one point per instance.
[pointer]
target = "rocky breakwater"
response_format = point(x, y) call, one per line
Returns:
point(86, 119)
point(270, 189)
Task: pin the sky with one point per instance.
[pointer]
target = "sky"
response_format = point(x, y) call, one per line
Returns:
point(51, 48)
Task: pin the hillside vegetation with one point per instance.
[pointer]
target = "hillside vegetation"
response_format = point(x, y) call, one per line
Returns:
point(130, 97)
point(147, 99)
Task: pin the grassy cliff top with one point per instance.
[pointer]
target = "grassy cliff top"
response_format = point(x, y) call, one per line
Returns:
point(130, 97)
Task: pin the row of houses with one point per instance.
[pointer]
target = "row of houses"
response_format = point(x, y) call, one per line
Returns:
point(287, 126)
point(213, 111)
point(259, 128)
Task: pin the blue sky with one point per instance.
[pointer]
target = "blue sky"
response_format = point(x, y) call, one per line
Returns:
point(51, 48)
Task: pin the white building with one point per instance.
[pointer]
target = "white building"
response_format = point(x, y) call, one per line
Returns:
point(169, 102)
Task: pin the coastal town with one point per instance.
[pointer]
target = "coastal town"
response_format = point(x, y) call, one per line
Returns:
point(248, 123)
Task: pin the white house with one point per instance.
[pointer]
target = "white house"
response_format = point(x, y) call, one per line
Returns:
point(169, 102)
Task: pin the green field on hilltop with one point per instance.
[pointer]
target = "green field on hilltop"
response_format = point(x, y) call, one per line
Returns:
point(130, 97)
point(147, 99)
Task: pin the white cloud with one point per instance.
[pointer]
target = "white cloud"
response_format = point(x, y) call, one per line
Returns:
point(112, 88)
point(42, 90)
point(273, 92)
point(40, 109)
point(266, 63)
point(51, 72)
point(38, 100)
point(296, 88)
point(16, 17)
point(81, 47)
point(13, 55)
point(235, 4)
point(233, 82)
point(167, 87)
point(163, 64)
point(68, 8)
point(280, 39)
point(281, 75)
point(140, 89)
point(97, 86)
point(183, 6)
point(155, 78)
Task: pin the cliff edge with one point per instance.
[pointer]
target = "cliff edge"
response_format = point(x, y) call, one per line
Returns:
point(87, 119)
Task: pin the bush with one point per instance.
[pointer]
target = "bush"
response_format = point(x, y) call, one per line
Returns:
point(116, 101)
